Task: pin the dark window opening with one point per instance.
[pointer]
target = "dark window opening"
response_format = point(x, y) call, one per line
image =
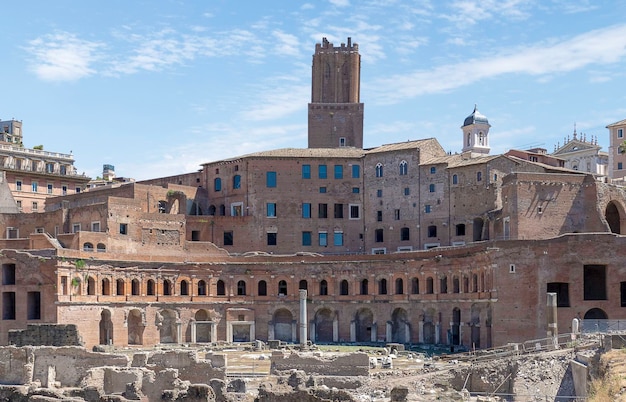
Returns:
point(150, 288)
point(338, 211)
point(34, 305)
point(184, 288)
point(460, 229)
point(405, 234)
point(262, 288)
point(282, 288)
point(622, 294)
point(562, 293)
point(8, 305)
point(432, 231)
point(221, 288)
point(378, 235)
point(364, 287)
point(228, 238)
point(343, 288)
point(195, 235)
point(594, 278)
point(382, 287)
point(303, 285)
point(415, 286)
point(8, 274)
point(399, 286)
point(271, 239)
point(241, 288)
point(323, 288)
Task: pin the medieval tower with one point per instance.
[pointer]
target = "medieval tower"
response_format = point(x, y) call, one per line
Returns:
point(476, 133)
point(335, 111)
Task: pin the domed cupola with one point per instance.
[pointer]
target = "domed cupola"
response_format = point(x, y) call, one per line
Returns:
point(476, 133)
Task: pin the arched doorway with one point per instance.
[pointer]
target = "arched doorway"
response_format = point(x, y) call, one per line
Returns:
point(478, 229)
point(612, 217)
point(135, 327)
point(203, 326)
point(400, 326)
point(596, 314)
point(106, 328)
point(429, 326)
point(283, 320)
point(364, 321)
point(324, 325)
point(168, 328)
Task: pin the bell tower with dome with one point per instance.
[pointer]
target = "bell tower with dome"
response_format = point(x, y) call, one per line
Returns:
point(476, 133)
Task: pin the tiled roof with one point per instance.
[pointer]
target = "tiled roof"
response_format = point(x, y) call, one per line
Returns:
point(347, 152)
point(428, 145)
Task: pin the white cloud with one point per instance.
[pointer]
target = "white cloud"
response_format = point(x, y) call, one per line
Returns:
point(339, 3)
point(472, 11)
point(287, 44)
point(604, 46)
point(279, 102)
point(63, 57)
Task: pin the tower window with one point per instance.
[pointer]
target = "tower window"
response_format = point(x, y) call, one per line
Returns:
point(403, 168)
point(379, 170)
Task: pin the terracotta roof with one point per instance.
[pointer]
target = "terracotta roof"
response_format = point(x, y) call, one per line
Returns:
point(427, 145)
point(347, 152)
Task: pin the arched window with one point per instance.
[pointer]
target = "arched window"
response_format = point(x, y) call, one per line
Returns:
point(101, 248)
point(262, 288)
point(429, 285)
point(431, 188)
point(303, 285)
point(201, 288)
point(323, 288)
point(221, 288)
point(222, 210)
point(150, 287)
point(184, 288)
point(364, 287)
point(479, 176)
point(87, 247)
point(379, 170)
point(474, 283)
point(415, 286)
point(217, 184)
point(241, 288)
point(382, 287)
point(469, 139)
point(162, 206)
point(167, 287)
point(119, 287)
point(455, 179)
point(343, 288)
point(91, 286)
point(455, 285)
point(399, 286)
point(443, 285)
point(282, 288)
point(134, 287)
point(106, 287)
point(404, 168)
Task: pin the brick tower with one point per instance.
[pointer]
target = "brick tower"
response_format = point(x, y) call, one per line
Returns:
point(335, 113)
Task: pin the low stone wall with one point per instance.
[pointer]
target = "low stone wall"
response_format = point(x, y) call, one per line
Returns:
point(46, 335)
point(190, 367)
point(325, 364)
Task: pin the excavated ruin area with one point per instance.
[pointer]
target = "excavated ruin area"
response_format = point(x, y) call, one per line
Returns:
point(252, 374)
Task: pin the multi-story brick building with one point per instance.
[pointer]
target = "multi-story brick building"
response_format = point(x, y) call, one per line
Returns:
point(32, 174)
point(402, 242)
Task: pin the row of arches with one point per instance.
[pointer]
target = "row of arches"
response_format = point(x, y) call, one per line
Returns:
point(431, 284)
point(327, 325)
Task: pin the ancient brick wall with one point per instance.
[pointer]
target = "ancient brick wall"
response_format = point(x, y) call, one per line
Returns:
point(46, 335)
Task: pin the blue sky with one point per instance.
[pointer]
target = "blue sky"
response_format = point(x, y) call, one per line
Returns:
point(158, 87)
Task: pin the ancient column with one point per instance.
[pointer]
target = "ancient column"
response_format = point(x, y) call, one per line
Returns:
point(374, 333)
point(352, 331)
point(420, 338)
point(335, 329)
point(552, 330)
point(303, 319)
point(193, 324)
point(388, 332)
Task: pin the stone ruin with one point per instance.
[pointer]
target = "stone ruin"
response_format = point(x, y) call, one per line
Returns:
point(49, 373)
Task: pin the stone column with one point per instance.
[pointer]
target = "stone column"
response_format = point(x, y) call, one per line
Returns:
point(388, 331)
point(407, 332)
point(270, 331)
point(438, 333)
point(229, 332)
point(294, 331)
point(420, 337)
point(551, 315)
point(374, 333)
point(352, 331)
point(303, 319)
point(193, 325)
point(179, 333)
point(312, 331)
point(214, 332)
point(336, 329)
point(252, 331)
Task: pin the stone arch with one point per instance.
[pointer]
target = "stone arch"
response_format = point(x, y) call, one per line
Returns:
point(399, 286)
point(135, 287)
point(344, 287)
point(203, 326)
point(613, 217)
point(184, 288)
point(212, 210)
point(283, 321)
point(106, 327)
point(120, 287)
point(150, 287)
point(136, 325)
point(324, 325)
point(166, 322)
point(201, 287)
point(364, 322)
point(400, 329)
point(167, 287)
point(596, 314)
